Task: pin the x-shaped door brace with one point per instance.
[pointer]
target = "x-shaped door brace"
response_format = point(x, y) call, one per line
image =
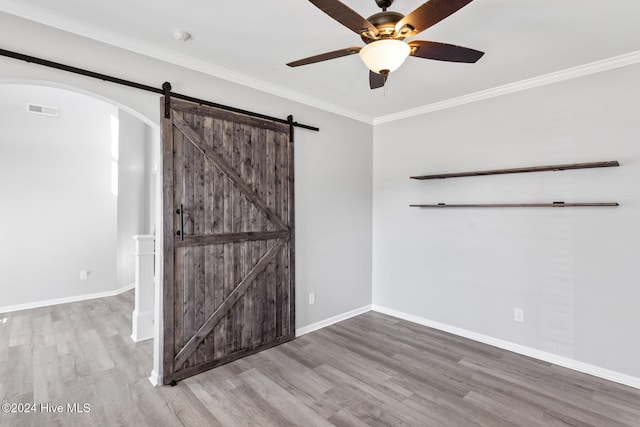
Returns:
point(281, 235)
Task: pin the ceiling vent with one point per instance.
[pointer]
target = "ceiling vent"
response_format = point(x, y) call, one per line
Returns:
point(43, 110)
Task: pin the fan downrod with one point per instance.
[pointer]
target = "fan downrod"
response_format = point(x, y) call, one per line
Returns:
point(384, 4)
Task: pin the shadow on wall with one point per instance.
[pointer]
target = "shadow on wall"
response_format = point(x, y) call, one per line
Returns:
point(76, 177)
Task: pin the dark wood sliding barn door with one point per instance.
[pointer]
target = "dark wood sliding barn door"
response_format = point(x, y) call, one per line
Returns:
point(228, 238)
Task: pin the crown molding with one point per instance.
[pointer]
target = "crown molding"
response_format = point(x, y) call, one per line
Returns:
point(546, 79)
point(74, 26)
point(64, 23)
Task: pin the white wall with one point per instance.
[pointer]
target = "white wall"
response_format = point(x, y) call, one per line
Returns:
point(58, 211)
point(333, 166)
point(58, 173)
point(151, 187)
point(333, 191)
point(573, 270)
point(133, 192)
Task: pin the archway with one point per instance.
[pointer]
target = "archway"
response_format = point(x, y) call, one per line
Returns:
point(65, 192)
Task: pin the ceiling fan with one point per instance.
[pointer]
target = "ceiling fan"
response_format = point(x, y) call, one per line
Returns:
point(383, 33)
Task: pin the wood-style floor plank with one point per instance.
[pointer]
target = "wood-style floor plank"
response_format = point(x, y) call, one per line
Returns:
point(371, 370)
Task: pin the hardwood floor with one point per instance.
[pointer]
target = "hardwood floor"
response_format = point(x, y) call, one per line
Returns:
point(369, 370)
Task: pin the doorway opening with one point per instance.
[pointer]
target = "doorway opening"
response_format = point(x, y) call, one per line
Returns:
point(79, 176)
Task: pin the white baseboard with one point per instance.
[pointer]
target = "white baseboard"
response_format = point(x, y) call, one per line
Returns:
point(330, 321)
point(565, 362)
point(142, 326)
point(155, 378)
point(46, 303)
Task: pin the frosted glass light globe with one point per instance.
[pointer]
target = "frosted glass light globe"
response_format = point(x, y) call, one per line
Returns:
point(384, 55)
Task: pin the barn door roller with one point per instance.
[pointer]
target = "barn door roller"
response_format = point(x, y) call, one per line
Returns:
point(166, 87)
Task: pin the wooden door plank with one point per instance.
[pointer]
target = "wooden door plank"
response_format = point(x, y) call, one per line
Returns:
point(214, 140)
point(209, 219)
point(179, 202)
point(188, 291)
point(214, 157)
point(190, 107)
point(518, 205)
point(292, 237)
point(168, 230)
point(262, 279)
point(276, 325)
point(216, 239)
point(229, 278)
point(256, 224)
point(189, 197)
point(267, 274)
point(281, 199)
point(199, 183)
point(272, 202)
point(200, 295)
point(238, 200)
point(287, 280)
point(270, 171)
point(521, 170)
point(198, 216)
point(284, 298)
point(245, 173)
point(185, 373)
point(186, 351)
point(219, 333)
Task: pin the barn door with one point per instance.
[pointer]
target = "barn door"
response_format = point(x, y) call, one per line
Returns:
point(228, 237)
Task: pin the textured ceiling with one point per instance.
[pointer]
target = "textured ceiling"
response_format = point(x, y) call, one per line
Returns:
point(251, 41)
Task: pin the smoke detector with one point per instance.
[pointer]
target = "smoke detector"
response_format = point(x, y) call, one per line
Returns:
point(181, 35)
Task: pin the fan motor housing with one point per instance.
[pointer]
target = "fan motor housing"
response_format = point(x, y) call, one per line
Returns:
point(385, 22)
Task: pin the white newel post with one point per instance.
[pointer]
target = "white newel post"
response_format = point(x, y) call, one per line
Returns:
point(142, 318)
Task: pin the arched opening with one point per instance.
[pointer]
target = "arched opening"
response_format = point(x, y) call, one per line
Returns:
point(79, 177)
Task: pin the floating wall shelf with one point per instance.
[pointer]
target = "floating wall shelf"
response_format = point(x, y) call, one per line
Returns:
point(518, 205)
point(522, 170)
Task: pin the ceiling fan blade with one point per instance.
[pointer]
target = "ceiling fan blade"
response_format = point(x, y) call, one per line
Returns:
point(444, 52)
point(430, 13)
point(346, 16)
point(377, 80)
point(325, 56)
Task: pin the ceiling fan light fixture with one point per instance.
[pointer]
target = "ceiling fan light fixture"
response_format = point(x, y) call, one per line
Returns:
point(385, 55)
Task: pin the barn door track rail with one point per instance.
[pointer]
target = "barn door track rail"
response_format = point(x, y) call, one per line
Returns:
point(165, 90)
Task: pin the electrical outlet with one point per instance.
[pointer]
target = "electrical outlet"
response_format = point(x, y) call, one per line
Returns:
point(518, 314)
point(84, 275)
point(312, 298)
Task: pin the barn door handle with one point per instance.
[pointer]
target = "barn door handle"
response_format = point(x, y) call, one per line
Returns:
point(181, 213)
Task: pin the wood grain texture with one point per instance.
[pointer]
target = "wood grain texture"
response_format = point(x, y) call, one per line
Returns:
point(203, 331)
point(428, 14)
point(190, 107)
point(325, 56)
point(519, 205)
point(228, 170)
point(230, 295)
point(546, 168)
point(346, 16)
point(169, 229)
point(369, 370)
